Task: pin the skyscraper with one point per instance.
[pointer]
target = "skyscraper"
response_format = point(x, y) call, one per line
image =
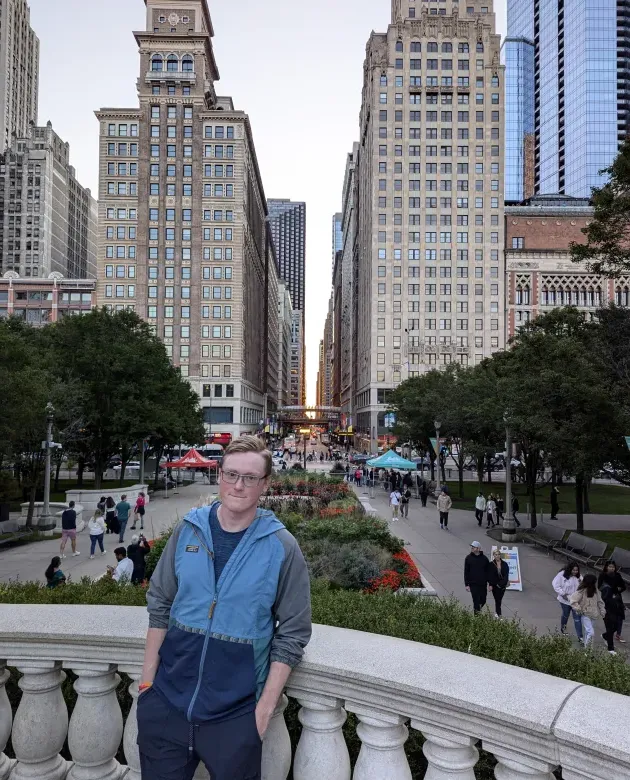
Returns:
point(48, 221)
point(182, 220)
point(287, 224)
point(581, 90)
point(430, 201)
point(19, 71)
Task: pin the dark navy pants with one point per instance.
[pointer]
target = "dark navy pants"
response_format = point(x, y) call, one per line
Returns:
point(171, 747)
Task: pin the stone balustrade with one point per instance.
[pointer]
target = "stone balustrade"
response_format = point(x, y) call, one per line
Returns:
point(531, 723)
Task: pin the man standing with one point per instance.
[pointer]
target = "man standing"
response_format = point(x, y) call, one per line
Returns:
point(122, 511)
point(229, 617)
point(69, 530)
point(480, 507)
point(476, 576)
point(444, 504)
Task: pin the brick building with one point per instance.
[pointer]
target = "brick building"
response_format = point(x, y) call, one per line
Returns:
point(540, 273)
point(40, 301)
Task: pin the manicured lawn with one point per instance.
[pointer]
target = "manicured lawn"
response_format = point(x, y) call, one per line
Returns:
point(613, 538)
point(605, 499)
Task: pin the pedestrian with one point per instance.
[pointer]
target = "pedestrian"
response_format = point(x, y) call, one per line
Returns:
point(123, 508)
point(347, 469)
point(476, 576)
point(424, 492)
point(371, 477)
point(565, 583)
point(498, 580)
point(480, 507)
point(407, 481)
point(54, 575)
point(110, 515)
point(69, 530)
point(404, 505)
point(394, 502)
point(210, 695)
point(515, 509)
point(358, 477)
point(96, 526)
point(444, 504)
point(587, 603)
point(491, 511)
point(138, 511)
point(500, 509)
point(124, 570)
point(137, 553)
point(611, 577)
point(554, 502)
point(614, 612)
point(102, 504)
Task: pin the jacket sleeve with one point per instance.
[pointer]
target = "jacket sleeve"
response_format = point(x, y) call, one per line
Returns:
point(621, 585)
point(575, 599)
point(558, 585)
point(292, 609)
point(163, 587)
point(600, 606)
point(466, 571)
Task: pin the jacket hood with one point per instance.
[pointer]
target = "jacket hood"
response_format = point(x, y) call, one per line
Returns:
point(265, 523)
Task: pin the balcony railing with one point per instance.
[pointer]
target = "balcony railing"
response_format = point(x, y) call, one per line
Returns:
point(171, 75)
point(532, 723)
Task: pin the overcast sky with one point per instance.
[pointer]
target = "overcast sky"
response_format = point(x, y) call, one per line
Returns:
point(295, 67)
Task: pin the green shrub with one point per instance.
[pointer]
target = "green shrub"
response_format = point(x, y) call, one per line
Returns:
point(348, 566)
point(157, 548)
point(350, 528)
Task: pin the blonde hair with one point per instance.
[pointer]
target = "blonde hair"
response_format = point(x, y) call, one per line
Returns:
point(250, 444)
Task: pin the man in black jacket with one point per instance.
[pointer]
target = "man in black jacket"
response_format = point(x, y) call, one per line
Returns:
point(476, 576)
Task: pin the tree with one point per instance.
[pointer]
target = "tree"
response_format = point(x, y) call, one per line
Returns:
point(607, 250)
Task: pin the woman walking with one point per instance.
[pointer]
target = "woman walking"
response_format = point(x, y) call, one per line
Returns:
point(491, 511)
point(587, 603)
point(139, 510)
point(96, 526)
point(110, 515)
point(54, 575)
point(498, 580)
point(565, 583)
point(424, 493)
point(611, 577)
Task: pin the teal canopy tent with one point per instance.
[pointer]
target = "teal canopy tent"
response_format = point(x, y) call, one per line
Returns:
point(391, 460)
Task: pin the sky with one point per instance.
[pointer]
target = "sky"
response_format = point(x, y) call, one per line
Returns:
point(295, 67)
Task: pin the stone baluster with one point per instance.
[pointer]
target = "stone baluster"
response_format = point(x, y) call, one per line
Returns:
point(276, 754)
point(322, 750)
point(96, 726)
point(6, 765)
point(383, 736)
point(130, 736)
point(513, 765)
point(448, 753)
point(41, 722)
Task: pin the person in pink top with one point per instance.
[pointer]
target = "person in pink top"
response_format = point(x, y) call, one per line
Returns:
point(138, 511)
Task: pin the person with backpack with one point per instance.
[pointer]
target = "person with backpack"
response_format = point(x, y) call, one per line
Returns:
point(587, 603)
point(404, 504)
point(498, 580)
point(394, 502)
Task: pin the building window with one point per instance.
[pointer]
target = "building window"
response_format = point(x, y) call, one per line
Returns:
point(518, 243)
point(187, 64)
point(156, 63)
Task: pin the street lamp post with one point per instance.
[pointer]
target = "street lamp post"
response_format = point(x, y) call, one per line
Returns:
point(44, 519)
point(438, 426)
point(509, 524)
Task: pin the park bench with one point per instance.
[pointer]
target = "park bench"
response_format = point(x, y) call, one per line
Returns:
point(13, 537)
point(583, 549)
point(622, 558)
point(547, 536)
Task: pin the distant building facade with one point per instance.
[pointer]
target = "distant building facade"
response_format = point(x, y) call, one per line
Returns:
point(48, 221)
point(42, 301)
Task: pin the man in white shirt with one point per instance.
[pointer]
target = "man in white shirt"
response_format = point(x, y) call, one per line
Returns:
point(394, 502)
point(124, 571)
point(480, 507)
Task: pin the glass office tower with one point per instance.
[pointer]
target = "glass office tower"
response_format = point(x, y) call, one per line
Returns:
point(579, 81)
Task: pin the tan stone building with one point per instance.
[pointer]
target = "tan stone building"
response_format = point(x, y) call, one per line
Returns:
point(182, 233)
point(430, 200)
point(540, 273)
point(19, 71)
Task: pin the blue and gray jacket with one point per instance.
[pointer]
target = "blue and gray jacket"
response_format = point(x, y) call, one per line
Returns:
point(222, 636)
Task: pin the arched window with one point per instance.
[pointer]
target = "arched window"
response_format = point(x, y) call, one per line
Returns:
point(156, 63)
point(172, 63)
point(480, 48)
point(187, 64)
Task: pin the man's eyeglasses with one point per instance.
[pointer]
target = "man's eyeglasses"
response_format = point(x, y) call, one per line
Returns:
point(249, 480)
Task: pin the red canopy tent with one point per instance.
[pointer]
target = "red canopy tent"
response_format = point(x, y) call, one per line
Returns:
point(191, 460)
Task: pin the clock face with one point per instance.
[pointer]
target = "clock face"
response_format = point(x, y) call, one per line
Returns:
point(173, 19)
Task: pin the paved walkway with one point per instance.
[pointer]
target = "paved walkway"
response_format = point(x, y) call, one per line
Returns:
point(440, 556)
point(28, 562)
